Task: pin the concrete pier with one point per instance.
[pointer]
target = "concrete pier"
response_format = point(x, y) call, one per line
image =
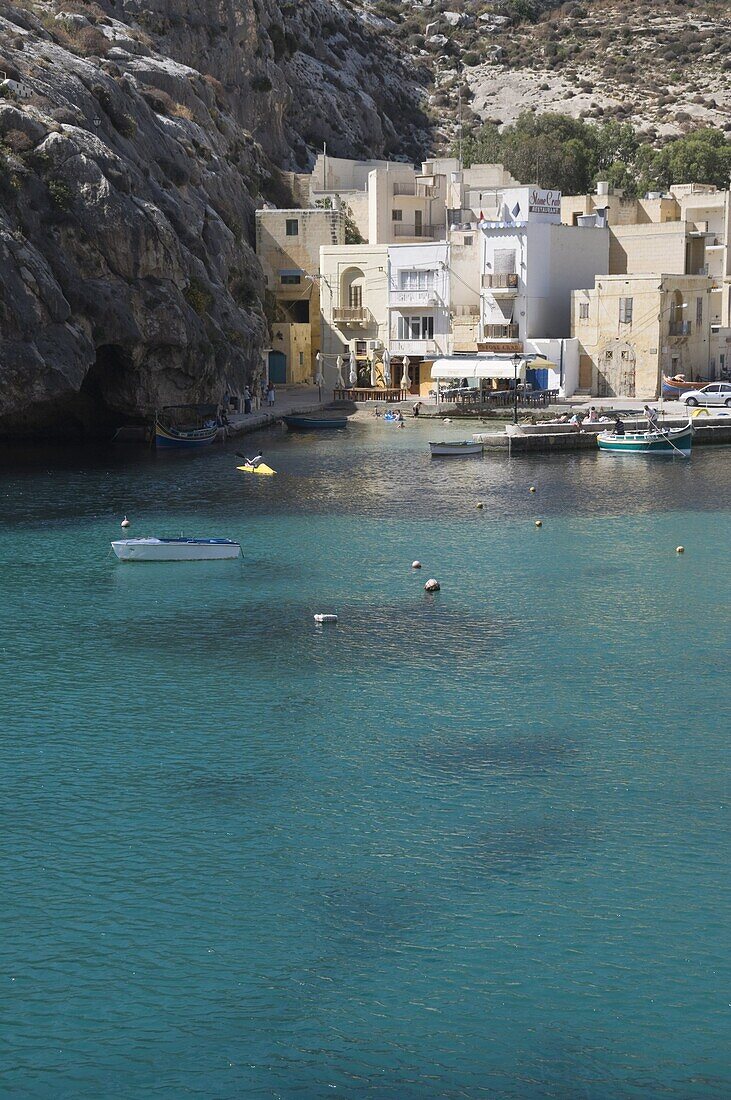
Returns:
point(706, 435)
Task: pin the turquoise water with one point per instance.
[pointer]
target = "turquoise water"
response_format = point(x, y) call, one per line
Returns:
point(464, 845)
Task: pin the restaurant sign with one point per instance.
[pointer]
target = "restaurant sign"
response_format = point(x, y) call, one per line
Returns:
point(503, 346)
point(544, 202)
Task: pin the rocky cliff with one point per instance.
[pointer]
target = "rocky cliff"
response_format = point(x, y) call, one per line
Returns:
point(135, 141)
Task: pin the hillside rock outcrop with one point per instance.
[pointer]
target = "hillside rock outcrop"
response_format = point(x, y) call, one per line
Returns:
point(135, 142)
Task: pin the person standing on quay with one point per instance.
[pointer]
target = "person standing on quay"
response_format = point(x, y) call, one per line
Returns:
point(247, 401)
point(270, 394)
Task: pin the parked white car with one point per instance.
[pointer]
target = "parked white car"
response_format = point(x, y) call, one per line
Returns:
point(718, 393)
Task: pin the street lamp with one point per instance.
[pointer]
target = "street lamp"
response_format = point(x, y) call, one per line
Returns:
point(516, 361)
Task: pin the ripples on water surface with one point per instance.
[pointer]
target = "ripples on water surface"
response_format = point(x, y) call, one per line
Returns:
point(461, 846)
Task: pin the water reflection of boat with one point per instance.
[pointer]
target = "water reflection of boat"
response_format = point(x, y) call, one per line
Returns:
point(678, 385)
point(185, 426)
point(664, 441)
point(315, 423)
point(458, 447)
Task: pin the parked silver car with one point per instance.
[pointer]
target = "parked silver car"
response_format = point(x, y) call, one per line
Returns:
point(718, 393)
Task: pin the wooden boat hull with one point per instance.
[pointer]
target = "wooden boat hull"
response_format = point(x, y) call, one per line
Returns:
point(167, 438)
point(262, 469)
point(667, 442)
point(182, 549)
point(676, 387)
point(315, 424)
point(457, 449)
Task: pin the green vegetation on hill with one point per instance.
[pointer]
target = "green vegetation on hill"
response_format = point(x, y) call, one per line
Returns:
point(571, 155)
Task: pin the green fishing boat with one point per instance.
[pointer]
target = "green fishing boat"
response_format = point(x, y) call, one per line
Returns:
point(660, 441)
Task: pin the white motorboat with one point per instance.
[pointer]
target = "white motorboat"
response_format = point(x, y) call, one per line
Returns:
point(181, 549)
point(458, 447)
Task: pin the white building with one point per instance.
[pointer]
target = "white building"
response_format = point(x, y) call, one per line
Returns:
point(530, 264)
point(418, 301)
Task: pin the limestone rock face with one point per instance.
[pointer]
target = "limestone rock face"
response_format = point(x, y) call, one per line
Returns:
point(130, 170)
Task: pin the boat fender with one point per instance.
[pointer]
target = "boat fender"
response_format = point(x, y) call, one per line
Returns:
point(432, 585)
point(326, 618)
point(679, 549)
point(416, 565)
point(125, 523)
point(539, 523)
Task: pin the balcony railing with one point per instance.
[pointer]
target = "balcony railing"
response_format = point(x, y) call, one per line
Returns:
point(428, 231)
point(509, 282)
point(414, 347)
point(404, 188)
point(680, 328)
point(350, 315)
point(501, 332)
point(403, 297)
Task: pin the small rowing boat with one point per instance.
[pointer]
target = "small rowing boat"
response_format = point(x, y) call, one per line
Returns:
point(661, 441)
point(458, 447)
point(678, 385)
point(262, 469)
point(182, 549)
point(314, 423)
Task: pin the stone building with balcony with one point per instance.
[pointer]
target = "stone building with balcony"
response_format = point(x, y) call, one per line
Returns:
point(686, 231)
point(288, 244)
point(354, 300)
point(632, 329)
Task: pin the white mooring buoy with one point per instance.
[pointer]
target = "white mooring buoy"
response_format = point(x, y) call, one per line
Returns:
point(416, 565)
point(125, 523)
point(432, 585)
point(679, 549)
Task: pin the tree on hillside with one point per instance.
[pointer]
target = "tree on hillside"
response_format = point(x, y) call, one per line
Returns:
point(703, 156)
point(571, 155)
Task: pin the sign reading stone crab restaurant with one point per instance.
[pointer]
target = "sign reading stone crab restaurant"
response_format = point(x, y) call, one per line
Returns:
point(544, 202)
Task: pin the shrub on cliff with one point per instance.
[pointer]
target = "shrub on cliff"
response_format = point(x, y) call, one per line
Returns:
point(198, 297)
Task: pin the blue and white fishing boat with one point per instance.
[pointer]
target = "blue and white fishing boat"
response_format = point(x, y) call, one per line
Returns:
point(180, 427)
point(181, 549)
point(654, 441)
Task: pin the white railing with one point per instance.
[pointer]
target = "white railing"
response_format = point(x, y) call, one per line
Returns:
point(350, 315)
point(414, 347)
point(403, 297)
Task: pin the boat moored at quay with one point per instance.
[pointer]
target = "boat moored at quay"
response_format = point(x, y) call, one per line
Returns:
point(182, 427)
point(456, 448)
point(655, 441)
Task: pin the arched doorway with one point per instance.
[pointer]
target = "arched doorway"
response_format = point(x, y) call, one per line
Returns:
point(616, 370)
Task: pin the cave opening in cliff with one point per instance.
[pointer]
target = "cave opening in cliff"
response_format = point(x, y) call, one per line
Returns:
point(107, 392)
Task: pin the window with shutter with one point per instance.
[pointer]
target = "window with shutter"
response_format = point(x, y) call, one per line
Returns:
point(504, 261)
